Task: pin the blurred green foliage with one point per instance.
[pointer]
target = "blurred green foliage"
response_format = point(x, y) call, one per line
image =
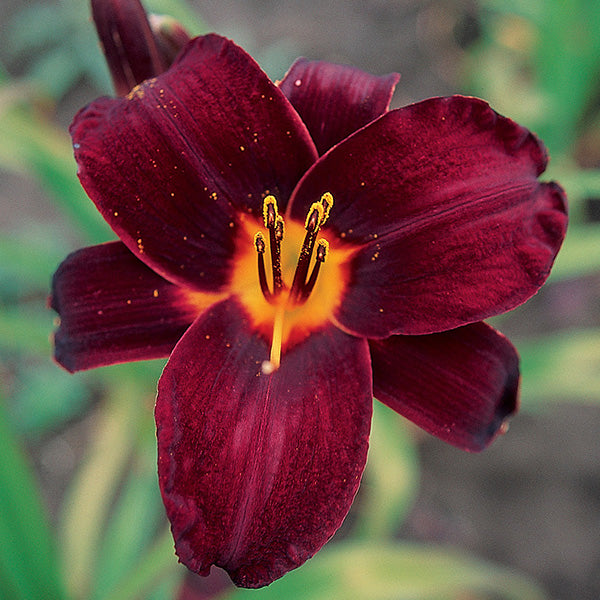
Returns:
point(536, 61)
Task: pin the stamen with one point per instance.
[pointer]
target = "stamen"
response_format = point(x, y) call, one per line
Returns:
point(260, 245)
point(321, 255)
point(312, 225)
point(274, 223)
point(327, 202)
point(314, 217)
point(270, 211)
point(301, 288)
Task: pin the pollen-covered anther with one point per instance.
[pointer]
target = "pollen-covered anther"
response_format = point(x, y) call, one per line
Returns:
point(279, 228)
point(260, 243)
point(270, 211)
point(314, 219)
point(327, 202)
point(322, 250)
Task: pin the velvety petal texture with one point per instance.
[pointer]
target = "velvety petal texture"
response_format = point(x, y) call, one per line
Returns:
point(336, 100)
point(258, 471)
point(460, 385)
point(114, 309)
point(176, 165)
point(127, 41)
point(443, 199)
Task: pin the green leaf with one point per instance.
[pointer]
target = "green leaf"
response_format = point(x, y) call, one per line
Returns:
point(134, 521)
point(25, 328)
point(93, 489)
point(158, 564)
point(580, 254)
point(46, 150)
point(390, 484)
point(403, 571)
point(28, 567)
point(561, 367)
point(178, 10)
point(31, 258)
point(46, 397)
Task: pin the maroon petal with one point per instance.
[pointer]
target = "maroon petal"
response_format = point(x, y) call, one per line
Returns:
point(175, 165)
point(258, 471)
point(460, 385)
point(127, 41)
point(114, 309)
point(455, 227)
point(336, 100)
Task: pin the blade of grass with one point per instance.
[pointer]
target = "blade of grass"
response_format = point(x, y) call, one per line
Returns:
point(27, 553)
point(92, 492)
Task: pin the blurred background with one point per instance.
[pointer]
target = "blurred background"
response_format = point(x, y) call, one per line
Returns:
point(80, 513)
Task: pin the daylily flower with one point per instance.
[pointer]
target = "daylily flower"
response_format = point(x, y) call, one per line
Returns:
point(295, 250)
point(136, 46)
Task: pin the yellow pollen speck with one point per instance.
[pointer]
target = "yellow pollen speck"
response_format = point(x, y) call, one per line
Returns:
point(242, 148)
point(362, 184)
point(207, 336)
point(116, 213)
point(128, 301)
point(298, 82)
point(140, 245)
point(185, 238)
point(155, 293)
point(172, 194)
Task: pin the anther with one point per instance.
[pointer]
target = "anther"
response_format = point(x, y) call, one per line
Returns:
point(327, 202)
point(260, 245)
point(314, 217)
point(259, 242)
point(279, 228)
point(270, 212)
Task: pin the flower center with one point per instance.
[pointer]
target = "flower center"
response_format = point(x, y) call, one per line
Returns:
point(288, 278)
point(302, 285)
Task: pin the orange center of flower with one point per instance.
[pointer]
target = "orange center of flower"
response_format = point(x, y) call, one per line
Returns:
point(288, 278)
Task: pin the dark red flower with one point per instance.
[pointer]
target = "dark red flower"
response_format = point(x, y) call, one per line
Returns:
point(421, 221)
point(136, 46)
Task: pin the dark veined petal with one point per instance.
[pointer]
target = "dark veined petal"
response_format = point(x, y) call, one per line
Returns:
point(460, 385)
point(114, 309)
point(336, 100)
point(175, 165)
point(258, 471)
point(127, 41)
point(444, 198)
